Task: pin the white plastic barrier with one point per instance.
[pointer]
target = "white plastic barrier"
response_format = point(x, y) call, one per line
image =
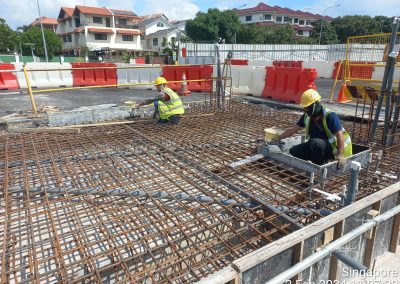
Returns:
point(246, 79)
point(46, 79)
point(138, 75)
point(260, 63)
point(324, 69)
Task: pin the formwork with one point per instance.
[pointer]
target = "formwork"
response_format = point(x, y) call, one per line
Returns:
point(147, 203)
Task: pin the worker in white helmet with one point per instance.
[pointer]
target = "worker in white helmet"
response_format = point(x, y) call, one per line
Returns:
point(326, 137)
point(168, 105)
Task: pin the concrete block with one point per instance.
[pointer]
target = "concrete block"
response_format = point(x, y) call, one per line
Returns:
point(142, 76)
point(87, 115)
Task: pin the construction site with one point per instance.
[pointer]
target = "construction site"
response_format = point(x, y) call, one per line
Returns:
point(206, 200)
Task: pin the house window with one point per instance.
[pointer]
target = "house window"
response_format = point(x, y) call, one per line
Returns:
point(300, 33)
point(279, 19)
point(141, 37)
point(296, 20)
point(249, 18)
point(267, 17)
point(127, 37)
point(100, 36)
point(287, 20)
point(301, 22)
point(155, 41)
point(160, 25)
point(123, 22)
point(97, 20)
point(308, 22)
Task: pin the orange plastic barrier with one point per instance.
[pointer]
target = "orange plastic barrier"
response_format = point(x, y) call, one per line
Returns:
point(95, 76)
point(194, 72)
point(278, 63)
point(288, 83)
point(140, 60)
point(361, 72)
point(8, 80)
point(239, 62)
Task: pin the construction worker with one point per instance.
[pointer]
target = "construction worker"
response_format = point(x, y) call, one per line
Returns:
point(326, 137)
point(168, 106)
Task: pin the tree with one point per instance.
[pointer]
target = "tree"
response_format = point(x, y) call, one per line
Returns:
point(208, 27)
point(328, 35)
point(259, 34)
point(8, 38)
point(385, 24)
point(34, 35)
point(348, 26)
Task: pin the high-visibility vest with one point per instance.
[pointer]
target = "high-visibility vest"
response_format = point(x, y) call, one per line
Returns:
point(348, 147)
point(172, 107)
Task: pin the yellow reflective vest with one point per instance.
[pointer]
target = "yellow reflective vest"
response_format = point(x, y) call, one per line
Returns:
point(348, 147)
point(172, 107)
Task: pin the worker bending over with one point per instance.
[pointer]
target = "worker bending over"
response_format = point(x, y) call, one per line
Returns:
point(325, 135)
point(168, 106)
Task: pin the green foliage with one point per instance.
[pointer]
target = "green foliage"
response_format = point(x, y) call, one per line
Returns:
point(385, 24)
point(259, 34)
point(208, 27)
point(348, 26)
point(34, 36)
point(306, 40)
point(127, 56)
point(84, 50)
point(328, 35)
point(8, 38)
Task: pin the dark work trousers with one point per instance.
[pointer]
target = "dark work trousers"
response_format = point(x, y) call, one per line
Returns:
point(317, 150)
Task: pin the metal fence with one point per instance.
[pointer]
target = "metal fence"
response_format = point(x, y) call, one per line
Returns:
point(293, 52)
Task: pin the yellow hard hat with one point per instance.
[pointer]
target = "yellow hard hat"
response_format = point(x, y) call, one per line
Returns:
point(309, 97)
point(160, 81)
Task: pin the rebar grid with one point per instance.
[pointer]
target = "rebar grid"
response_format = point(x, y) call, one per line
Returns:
point(149, 203)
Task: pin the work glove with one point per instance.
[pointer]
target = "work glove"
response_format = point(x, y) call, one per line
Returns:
point(340, 161)
point(275, 138)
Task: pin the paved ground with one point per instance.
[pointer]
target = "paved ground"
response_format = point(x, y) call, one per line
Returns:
point(19, 102)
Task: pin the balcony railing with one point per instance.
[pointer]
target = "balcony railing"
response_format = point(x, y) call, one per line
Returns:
point(125, 26)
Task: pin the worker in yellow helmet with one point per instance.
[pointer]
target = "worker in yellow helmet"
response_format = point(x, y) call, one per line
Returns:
point(326, 137)
point(168, 106)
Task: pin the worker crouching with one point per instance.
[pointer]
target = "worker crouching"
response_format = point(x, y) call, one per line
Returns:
point(168, 105)
point(325, 135)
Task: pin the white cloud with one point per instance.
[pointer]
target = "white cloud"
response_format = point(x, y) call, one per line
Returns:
point(174, 10)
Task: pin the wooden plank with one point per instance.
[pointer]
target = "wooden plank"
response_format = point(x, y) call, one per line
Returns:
point(395, 234)
point(376, 208)
point(297, 257)
point(333, 266)
point(45, 130)
point(254, 258)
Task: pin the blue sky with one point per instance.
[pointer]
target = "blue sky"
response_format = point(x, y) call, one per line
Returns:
point(23, 12)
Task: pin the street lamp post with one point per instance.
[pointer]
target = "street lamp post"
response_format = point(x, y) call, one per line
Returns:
point(322, 22)
point(41, 27)
point(238, 9)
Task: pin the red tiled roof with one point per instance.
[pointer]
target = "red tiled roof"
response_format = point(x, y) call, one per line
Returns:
point(261, 7)
point(65, 10)
point(93, 10)
point(126, 32)
point(301, 28)
point(100, 31)
point(45, 21)
point(79, 30)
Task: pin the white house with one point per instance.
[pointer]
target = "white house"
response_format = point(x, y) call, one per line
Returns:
point(98, 29)
point(263, 14)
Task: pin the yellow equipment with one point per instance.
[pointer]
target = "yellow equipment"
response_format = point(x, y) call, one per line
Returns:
point(309, 97)
point(160, 81)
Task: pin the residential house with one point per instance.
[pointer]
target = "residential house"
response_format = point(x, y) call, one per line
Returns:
point(180, 25)
point(271, 15)
point(48, 23)
point(99, 29)
point(155, 28)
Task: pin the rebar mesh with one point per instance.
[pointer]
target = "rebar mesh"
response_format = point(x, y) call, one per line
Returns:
point(146, 203)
